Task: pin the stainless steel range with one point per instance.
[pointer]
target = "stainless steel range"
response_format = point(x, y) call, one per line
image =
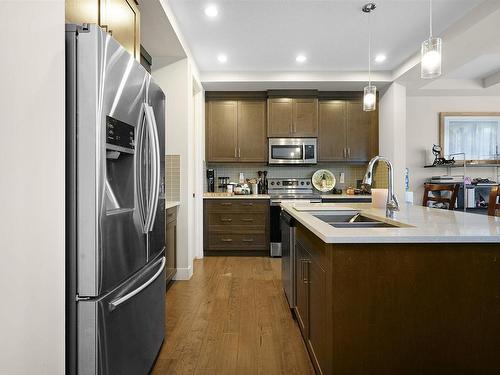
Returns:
point(286, 190)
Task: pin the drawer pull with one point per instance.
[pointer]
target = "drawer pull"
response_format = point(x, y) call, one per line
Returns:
point(247, 220)
point(226, 220)
point(226, 239)
point(248, 240)
point(247, 204)
point(226, 204)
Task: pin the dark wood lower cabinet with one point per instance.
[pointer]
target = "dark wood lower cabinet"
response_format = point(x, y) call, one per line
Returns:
point(236, 225)
point(399, 308)
point(171, 243)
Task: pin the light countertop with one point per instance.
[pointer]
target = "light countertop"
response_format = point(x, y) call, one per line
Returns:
point(224, 196)
point(418, 224)
point(170, 204)
point(345, 196)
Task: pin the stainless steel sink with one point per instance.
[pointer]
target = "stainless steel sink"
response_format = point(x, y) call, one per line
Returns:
point(351, 220)
point(359, 225)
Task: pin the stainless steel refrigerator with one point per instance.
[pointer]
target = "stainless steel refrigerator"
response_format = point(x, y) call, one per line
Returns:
point(115, 118)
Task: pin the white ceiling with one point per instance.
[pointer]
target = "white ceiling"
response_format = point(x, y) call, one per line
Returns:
point(265, 36)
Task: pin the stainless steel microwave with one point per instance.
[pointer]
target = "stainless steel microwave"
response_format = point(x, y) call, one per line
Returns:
point(292, 151)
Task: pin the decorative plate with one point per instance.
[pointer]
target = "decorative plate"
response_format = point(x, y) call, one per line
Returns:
point(323, 180)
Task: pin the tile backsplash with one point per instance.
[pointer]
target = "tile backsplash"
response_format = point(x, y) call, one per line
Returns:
point(351, 172)
point(173, 177)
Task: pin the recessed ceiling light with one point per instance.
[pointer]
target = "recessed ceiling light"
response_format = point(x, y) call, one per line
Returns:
point(301, 58)
point(222, 58)
point(380, 58)
point(211, 11)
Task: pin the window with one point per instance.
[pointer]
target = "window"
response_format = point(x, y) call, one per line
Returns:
point(476, 135)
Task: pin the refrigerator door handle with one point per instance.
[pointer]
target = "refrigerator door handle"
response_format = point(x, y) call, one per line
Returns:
point(155, 186)
point(140, 182)
point(117, 302)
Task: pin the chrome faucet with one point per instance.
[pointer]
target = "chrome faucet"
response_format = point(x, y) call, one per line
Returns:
point(392, 201)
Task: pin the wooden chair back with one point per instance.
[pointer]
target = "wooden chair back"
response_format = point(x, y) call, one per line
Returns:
point(494, 204)
point(450, 200)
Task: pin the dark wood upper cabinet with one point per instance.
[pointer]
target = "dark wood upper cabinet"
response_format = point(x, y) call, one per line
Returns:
point(120, 18)
point(359, 132)
point(280, 117)
point(292, 117)
point(332, 130)
point(305, 117)
point(236, 131)
point(222, 130)
point(346, 132)
point(252, 131)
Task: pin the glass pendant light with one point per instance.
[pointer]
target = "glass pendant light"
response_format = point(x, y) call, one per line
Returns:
point(430, 53)
point(370, 91)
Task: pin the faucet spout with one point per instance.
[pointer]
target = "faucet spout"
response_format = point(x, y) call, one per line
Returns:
point(392, 201)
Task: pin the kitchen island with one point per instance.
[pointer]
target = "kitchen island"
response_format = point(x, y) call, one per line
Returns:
point(417, 294)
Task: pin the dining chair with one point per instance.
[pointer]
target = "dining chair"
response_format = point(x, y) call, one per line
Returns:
point(494, 204)
point(438, 196)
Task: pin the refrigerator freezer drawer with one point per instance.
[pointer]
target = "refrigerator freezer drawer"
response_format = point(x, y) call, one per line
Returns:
point(122, 332)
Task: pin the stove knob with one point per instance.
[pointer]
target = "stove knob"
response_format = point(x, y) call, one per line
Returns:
point(278, 183)
point(302, 182)
point(272, 183)
point(308, 183)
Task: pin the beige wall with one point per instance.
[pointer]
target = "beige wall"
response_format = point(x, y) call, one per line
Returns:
point(422, 131)
point(32, 101)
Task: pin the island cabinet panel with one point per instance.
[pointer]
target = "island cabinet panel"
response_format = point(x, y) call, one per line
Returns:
point(236, 225)
point(236, 131)
point(399, 308)
point(302, 292)
point(292, 117)
point(314, 305)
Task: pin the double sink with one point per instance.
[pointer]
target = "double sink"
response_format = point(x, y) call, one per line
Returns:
point(351, 220)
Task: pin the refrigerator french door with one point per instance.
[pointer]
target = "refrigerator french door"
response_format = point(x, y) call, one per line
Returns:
point(115, 208)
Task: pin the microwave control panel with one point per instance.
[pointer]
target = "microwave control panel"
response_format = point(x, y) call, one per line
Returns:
point(309, 152)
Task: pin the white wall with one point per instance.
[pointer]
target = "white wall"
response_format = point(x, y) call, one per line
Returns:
point(184, 116)
point(32, 187)
point(173, 81)
point(422, 131)
point(392, 133)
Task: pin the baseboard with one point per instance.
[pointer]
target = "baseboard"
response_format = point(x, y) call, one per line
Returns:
point(184, 273)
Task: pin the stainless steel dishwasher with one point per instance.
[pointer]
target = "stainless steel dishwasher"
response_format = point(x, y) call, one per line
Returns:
point(287, 224)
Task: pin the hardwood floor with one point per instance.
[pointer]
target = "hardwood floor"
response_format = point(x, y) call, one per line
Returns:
point(231, 318)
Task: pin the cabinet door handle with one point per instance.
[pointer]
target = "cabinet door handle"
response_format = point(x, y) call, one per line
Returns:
point(235, 154)
point(344, 153)
point(304, 278)
point(247, 204)
point(248, 240)
point(247, 220)
point(226, 239)
point(239, 152)
point(349, 152)
point(226, 204)
point(226, 220)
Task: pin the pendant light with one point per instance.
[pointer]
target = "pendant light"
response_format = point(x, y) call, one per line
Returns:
point(430, 53)
point(370, 91)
